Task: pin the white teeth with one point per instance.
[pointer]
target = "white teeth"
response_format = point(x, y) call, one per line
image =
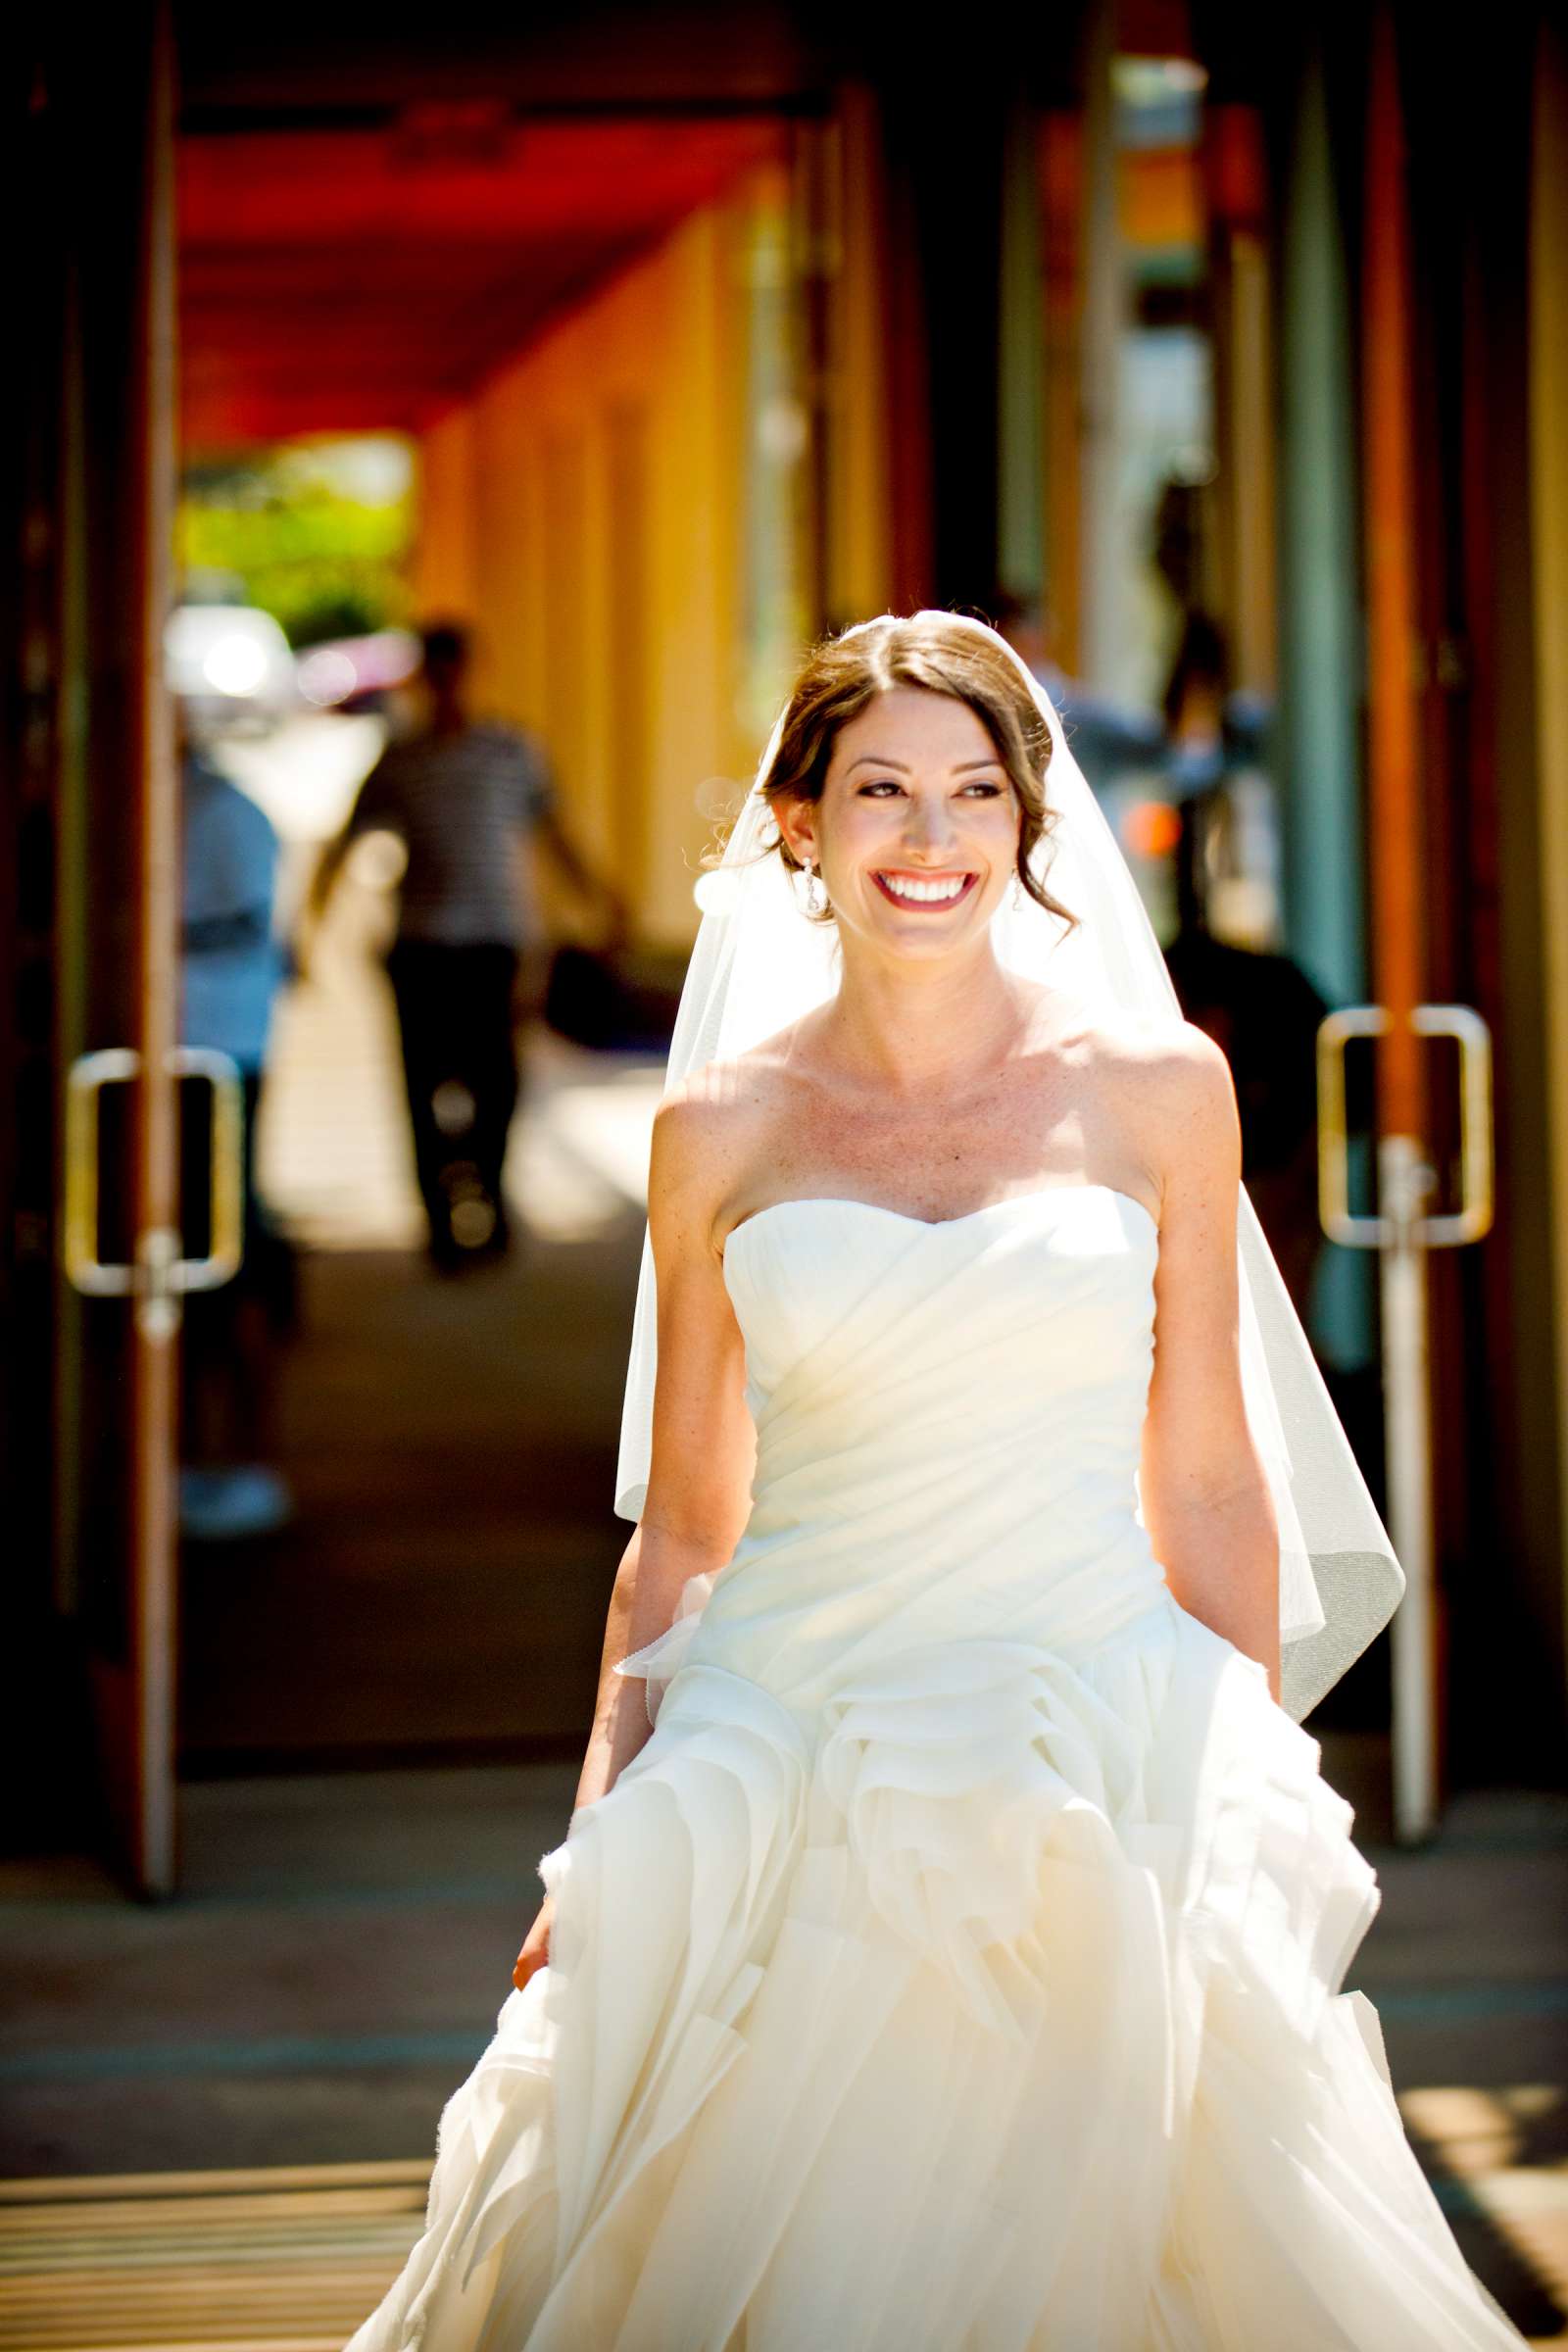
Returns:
point(928, 893)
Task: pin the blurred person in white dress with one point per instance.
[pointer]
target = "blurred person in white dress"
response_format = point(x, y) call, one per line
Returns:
point(945, 1951)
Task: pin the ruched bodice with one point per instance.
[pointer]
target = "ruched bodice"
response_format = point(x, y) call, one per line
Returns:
point(948, 1420)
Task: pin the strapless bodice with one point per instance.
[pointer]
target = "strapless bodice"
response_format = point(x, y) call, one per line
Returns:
point(949, 1419)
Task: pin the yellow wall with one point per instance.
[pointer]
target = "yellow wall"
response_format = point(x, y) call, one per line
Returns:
point(446, 581)
point(584, 509)
point(613, 514)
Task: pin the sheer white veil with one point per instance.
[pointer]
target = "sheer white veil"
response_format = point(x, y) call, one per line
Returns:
point(759, 965)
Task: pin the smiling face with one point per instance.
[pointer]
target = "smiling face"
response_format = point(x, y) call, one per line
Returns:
point(916, 830)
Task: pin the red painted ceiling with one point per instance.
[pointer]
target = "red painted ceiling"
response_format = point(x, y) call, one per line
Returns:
point(364, 279)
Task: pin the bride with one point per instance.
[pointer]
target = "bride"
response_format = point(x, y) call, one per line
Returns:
point(945, 1952)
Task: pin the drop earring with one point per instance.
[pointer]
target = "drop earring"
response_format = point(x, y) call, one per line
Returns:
point(815, 897)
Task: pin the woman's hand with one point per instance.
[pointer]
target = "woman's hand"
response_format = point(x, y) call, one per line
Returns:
point(536, 1954)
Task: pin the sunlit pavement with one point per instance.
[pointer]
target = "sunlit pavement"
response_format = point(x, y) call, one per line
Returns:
point(344, 1937)
point(1468, 1964)
point(282, 2260)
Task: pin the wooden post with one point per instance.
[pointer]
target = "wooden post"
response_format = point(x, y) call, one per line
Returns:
point(1399, 946)
point(155, 1351)
point(1060, 182)
point(1393, 780)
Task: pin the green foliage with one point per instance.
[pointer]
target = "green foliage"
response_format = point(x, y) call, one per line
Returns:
point(315, 535)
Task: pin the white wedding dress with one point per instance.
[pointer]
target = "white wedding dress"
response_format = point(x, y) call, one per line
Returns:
point(957, 1966)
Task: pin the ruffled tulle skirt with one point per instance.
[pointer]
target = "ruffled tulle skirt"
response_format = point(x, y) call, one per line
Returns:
point(991, 2007)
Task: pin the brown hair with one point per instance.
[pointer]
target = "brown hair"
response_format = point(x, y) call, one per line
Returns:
point(944, 655)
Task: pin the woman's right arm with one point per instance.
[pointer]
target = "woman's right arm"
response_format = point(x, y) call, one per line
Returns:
point(703, 1445)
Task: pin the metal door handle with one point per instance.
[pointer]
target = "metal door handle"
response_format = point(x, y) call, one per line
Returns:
point(116, 1065)
point(1473, 1218)
point(1401, 1235)
point(156, 1266)
point(225, 1200)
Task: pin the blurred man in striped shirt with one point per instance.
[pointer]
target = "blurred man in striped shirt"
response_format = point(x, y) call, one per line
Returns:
point(468, 799)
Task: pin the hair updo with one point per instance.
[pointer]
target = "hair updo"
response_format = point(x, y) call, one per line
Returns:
point(942, 655)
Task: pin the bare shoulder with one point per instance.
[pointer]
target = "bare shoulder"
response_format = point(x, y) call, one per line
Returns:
point(1168, 1086)
point(1177, 1062)
point(709, 1128)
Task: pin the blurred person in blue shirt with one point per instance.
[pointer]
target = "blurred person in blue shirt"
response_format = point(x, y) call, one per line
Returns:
point(1107, 737)
point(231, 968)
point(1256, 1001)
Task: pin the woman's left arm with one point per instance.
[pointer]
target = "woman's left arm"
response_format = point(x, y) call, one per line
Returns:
point(1206, 1495)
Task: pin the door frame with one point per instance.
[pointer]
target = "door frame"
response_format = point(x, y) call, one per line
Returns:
point(105, 131)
